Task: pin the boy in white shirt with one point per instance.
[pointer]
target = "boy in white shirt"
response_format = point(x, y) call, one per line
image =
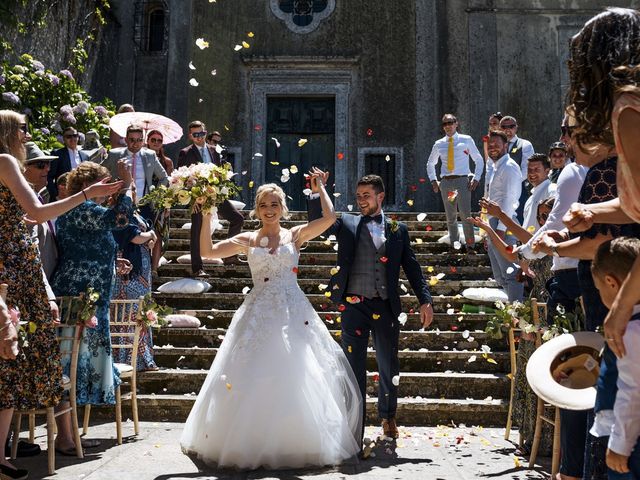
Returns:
point(618, 398)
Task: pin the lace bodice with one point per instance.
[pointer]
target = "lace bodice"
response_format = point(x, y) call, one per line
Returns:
point(274, 270)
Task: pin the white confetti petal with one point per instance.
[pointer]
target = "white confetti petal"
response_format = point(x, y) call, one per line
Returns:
point(457, 245)
point(193, 82)
point(422, 216)
point(237, 47)
point(388, 158)
point(510, 270)
point(306, 191)
point(402, 318)
point(191, 66)
point(214, 72)
point(284, 178)
point(276, 141)
point(465, 334)
point(350, 207)
point(396, 380)
point(202, 43)
point(246, 290)
point(472, 359)
point(337, 194)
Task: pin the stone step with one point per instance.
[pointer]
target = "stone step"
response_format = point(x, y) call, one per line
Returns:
point(409, 340)
point(298, 215)
point(443, 321)
point(410, 361)
point(329, 259)
point(174, 269)
point(232, 301)
point(411, 411)
point(318, 285)
point(412, 384)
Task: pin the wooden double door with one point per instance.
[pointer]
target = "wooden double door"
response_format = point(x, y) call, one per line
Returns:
point(290, 121)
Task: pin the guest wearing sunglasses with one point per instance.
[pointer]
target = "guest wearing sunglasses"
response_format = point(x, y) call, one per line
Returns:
point(155, 142)
point(456, 181)
point(200, 152)
point(68, 158)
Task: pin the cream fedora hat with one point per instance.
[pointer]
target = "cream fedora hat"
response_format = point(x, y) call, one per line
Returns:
point(574, 360)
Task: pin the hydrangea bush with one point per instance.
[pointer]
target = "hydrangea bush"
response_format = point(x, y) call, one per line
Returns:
point(52, 102)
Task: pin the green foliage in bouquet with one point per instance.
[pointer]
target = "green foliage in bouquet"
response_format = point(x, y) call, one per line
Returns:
point(153, 314)
point(510, 315)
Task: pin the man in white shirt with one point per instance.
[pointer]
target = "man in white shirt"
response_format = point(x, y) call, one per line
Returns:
point(456, 180)
point(505, 184)
point(538, 177)
point(519, 150)
point(68, 158)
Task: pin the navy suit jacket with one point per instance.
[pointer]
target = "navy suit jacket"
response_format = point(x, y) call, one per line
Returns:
point(191, 154)
point(399, 253)
point(60, 165)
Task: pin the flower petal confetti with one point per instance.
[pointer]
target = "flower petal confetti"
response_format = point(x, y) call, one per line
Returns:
point(201, 43)
point(302, 142)
point(452, 195)
point(294, 169)
point(191, 66)
point(193, 82)
point(250, 35)
point(421, 216)
point(375, 316)
point(245, 44)
point(340, 156)
point(396, 380)
point(402, 318)
point(246, 290)
point(387, 158)
point(276, 142)
point(237, 47)
point(410, 202)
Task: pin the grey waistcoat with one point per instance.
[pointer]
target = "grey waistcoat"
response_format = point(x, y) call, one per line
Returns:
point(368, 275)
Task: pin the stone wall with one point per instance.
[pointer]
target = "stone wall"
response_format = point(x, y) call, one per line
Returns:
point(402, 65)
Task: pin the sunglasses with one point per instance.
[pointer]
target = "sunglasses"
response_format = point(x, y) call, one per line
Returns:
point(39, 164)
point(135, 140)
point(510, 126)
point(450, 122)
point(566, 130)
point(155, 140)
point(71, 135)
point(198, 134)
point(24, 128)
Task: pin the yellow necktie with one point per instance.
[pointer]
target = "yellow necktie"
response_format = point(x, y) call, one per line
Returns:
point(450, 156)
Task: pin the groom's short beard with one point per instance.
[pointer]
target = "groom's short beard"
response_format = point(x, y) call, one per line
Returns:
point(370, 210)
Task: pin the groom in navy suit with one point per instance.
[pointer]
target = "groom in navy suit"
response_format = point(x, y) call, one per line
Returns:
point(371, 250)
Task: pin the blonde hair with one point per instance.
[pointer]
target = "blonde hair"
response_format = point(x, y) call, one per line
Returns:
point(85, 174)
point(9, 141)
point(266, 189)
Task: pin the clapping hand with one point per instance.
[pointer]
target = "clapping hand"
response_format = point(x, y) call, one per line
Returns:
point(478, 222)
point(124, 172)
point(491, 207)
point(578, 218)
point(546, 242)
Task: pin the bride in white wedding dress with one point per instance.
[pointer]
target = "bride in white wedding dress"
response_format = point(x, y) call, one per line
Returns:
point(280, 392)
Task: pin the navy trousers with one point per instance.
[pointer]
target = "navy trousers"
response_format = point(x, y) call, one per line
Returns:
point(373, 316)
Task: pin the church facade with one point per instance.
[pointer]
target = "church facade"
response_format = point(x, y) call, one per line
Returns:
point(351, 86)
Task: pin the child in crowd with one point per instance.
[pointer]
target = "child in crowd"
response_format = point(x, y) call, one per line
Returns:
point(618, 397)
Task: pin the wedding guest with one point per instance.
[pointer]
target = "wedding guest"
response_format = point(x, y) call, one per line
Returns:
point(456, 181)
point(155, 141)
point(135, 243)
point(504, 188)
point(558, 156)
point(617, 418)
point(32, 379)
point(62, 185)
point(541, 188)
point(68, 158)
point(87, 259)
point(605, 55)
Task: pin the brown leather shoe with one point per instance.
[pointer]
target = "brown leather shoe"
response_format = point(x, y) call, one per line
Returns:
point(389, 428)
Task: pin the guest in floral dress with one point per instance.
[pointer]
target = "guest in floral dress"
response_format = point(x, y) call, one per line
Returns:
point(32, 378)
point(135, 243)
point(87, 259)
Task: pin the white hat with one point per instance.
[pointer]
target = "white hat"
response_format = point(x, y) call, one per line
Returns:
point(576, 356)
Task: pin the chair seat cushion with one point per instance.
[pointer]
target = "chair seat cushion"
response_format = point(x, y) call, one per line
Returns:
point(123, 368)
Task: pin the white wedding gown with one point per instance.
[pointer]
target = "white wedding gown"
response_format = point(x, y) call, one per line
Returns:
point(280, 392)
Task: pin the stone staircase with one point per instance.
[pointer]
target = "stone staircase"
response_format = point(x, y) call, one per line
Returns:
point(446, 376)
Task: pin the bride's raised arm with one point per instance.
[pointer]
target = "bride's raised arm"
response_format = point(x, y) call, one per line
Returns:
point(317, 227)
point(225, 248)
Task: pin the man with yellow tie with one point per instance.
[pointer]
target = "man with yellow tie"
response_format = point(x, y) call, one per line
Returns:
point(456, 180)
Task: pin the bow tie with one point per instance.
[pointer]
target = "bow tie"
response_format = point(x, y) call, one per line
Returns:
point(375, 218)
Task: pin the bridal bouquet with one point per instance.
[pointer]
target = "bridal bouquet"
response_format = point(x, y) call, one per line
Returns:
point(200, 186)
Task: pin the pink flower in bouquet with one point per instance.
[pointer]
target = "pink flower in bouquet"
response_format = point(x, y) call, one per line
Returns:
point(152, 317)
point(14, 314)
point(92, 322)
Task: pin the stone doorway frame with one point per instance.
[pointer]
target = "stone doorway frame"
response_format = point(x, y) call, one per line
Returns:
point(303, 80)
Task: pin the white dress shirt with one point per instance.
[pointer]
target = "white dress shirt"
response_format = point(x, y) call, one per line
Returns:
point(505, 186)
point(74, 158)
point(527, 151)
point(377, 232)
point(623, 422)
point(463, 147)
point(138, 176)
point(567, 191)
point(544, 190)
